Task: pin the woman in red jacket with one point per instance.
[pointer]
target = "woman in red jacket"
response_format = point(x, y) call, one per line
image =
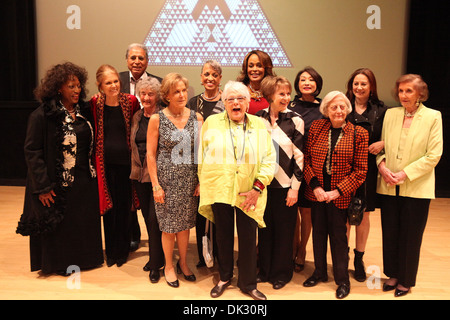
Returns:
point(335, 166)
point(113, 112)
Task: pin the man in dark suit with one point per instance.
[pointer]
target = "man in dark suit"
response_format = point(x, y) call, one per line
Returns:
point(137, 61)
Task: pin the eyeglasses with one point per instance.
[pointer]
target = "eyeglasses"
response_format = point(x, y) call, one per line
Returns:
point(231, 100)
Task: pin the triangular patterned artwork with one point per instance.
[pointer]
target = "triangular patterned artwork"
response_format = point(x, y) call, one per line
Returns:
point(190, 32)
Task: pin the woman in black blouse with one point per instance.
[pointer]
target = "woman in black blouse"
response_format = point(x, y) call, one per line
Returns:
point(308, 84)
point(207, 103)
point(148, 92)
point(368, 112)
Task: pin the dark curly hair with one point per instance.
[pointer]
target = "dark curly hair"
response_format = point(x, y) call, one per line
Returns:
point(56, 77)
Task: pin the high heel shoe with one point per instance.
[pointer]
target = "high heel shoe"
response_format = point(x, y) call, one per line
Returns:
point(173, 284)
point(190, 277)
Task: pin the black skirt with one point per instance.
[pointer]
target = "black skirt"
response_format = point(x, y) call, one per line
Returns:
point(77, 239)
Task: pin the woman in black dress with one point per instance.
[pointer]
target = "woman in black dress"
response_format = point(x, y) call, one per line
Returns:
point(308, 85)
point(368, 112)
point(61, 209)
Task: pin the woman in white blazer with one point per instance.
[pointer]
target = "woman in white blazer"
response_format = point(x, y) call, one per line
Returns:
point(413, 141)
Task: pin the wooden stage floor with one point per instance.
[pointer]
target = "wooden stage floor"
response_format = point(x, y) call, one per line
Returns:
point(130, 282)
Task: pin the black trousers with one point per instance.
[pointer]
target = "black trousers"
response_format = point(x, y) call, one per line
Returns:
point(275, 241)
point(330, 221)
point(246, 231)
point(117, 221)
point(403, 222)
point(145, 196)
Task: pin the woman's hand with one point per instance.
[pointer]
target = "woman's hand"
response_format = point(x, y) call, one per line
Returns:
point(320, 194)
point(250, 201)
point(388, 176)
point(292, 197)
point(332, 195)
point(159, 195)
point(376, 147)
point(400, 176)
point(197, 190)
point(47, 198)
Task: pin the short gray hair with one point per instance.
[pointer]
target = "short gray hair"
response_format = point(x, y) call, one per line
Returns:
point(237, 87)
point(215, 65)
point(137, 45)
point(149, 83)
point(329, 97)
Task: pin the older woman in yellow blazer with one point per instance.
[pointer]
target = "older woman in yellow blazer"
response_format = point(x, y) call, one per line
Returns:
point(413, 141)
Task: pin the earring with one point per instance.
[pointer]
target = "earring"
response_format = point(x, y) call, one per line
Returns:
point(418, 103)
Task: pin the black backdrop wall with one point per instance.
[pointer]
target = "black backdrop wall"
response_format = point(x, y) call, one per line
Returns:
point(18, 79)
point(428, 55)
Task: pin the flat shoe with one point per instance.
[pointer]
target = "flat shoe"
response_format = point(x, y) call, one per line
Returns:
point(278, 284)
point(342, 291)
point(400, 293)
point(217, 291)
point(313, 281)
point(387, 287)
point(154, 276)
point(256, 294)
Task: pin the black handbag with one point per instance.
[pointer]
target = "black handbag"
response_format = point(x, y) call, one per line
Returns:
point(357, 206)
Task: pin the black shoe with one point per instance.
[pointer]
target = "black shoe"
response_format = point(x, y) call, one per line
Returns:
point(121, 261)
point(387, 287)
point(110, 262)
point(218, 290)
point(342, 291)
point(147, 266)
point(400, 293)
point(298, 267)
point(360, 273)
point(154, 276)
point(260, 279)
point(313, 281)
point(190, 277)
point(278, 284)
point(173, 284)
point(134, 245)
point(256, 294)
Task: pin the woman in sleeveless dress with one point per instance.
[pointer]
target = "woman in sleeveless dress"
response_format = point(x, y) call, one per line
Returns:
point(171, 141)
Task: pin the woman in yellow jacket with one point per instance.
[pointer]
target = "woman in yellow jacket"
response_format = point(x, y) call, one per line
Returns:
point(236, 162)
point(413, 141)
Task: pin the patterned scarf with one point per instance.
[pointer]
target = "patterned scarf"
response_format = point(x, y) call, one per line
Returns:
point(69, 146)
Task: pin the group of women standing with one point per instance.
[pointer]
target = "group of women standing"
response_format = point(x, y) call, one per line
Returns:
point(247, 153)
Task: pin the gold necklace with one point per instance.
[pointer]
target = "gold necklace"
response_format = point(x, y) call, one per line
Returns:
point(175, 115)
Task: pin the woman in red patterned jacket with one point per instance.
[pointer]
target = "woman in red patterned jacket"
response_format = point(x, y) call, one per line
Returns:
point(113, 112)
point(335, 166)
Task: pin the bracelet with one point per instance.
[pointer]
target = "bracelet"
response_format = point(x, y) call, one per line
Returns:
point(156, 188)
point(257, 189)
point(258, 184)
